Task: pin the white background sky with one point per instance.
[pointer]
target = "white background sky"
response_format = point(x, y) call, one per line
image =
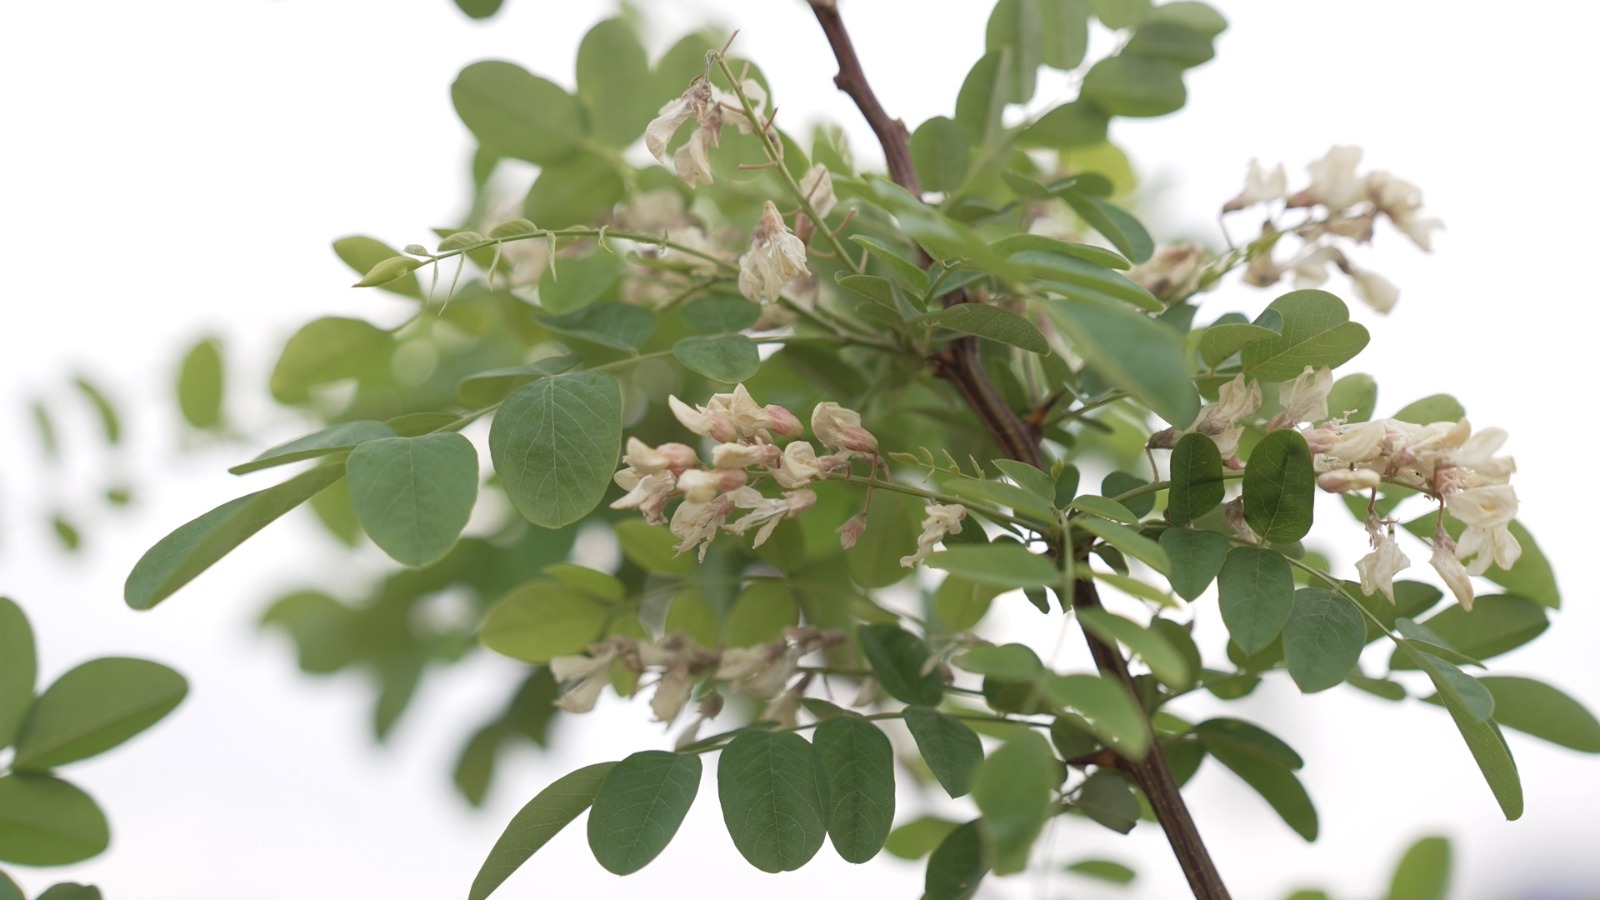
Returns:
point(171, 167)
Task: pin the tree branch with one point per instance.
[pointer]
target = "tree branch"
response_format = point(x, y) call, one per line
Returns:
point(959, 364)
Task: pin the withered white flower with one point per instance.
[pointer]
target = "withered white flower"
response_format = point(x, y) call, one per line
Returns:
point(1449, 567)
point(1379, 567)
point(939, 520)
point(817, 186)
point(1305, 399)
point(583, 677)
point(1260, 186)
point(1373, 289)
point(1333, 181)
point(1401, 201)
point(775, 258)
point(840, 430)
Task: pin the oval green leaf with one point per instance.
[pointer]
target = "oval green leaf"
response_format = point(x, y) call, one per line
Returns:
point(1316, 332)
point(951, 749)
point(414, 495)
point(45, 821)
point(95, 707)
point(514, 113)
point(541, 619)
point(958, 864)
point(1015, 790)
point(1196, 479)
point(1003, 564)
point(1255, 592)
point(539, 820)
point(19, 669)
point(898, 657)
point(729, 358)
point(327, 350)
point(555, 444)
point(990, 323)
point(639, 807)
point(856, 764)
point(1133, 352)
point(200, 384)
point(344, 436)
point(1322, 639)
point(1195, 558)
point(771, 803)
point(1280, 486)
point(1536, 708)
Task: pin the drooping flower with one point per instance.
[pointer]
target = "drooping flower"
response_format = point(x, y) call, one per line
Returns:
point(1172, 273)
point(1305, 399)
point(583, 677)
point(1379, 567)
point(1449, 567)
point(695, 523)
point(1260, 186)
point(840, 430)
point(1333, 181)
point(775, 258)
point(938, 520)
point(852, 530)
point(649, 495)
point(1374, 290)
point(1401, 201)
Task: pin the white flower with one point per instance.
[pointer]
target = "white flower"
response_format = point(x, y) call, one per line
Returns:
point(1455, 575)
point(696, 523)
point(740, 456)
point(1333, 181)
point(692, 161)
point(1401, 201)
point(1494, 544)
point(765, 513)
point(733, 417)
point(658, 134)
point(1379, 567)
point(1486, 506)
point(583, 677)
point(1260, 186)
point(938, 520)
point(1172, 273)
point(1374, 290)
point(672, 691)
point(649, 494)
point(1311, 267)
point(799, 465)
point(840, 430)
point(775, 258)
point(762, 671)
point(817, 186)
point(1341, 481)
point(1220, 420)
point(1305, 399)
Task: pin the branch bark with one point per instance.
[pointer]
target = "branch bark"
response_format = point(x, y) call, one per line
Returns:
point(959, 363)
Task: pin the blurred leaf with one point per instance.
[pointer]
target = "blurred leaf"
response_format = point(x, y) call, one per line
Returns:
point(1430, 409)
point(1498, 623)
point(1196, 558)
point(95, 707)
point(344, 436)
point(538, 620)
point(513, 113)
point(45, 821)
point(1107, 798)
point(200, 384)
point(721, 314)
point(941, 154)
point(950, 749)
point(770, 799)
point(1120, 13)
point(555, 444)
point(1075, 124)
point(1113, 714)
point(1132, 352)
point(983, 96)
point(19, 668)
point(414, 495)
point(760, 614)
point(1276, 785)
point(1164, 660)
point(479, 9)
point(616, 325)
point(918, 837)
point(1003, 565)
point(898, 658)
point(856, 763)
point(1424, 871)
point(1103, 870)
point(576, 283)
point(1015, 790)
point(957, 865)
point(612, 66)
point(536, 823)
point(729, 358)
point(1219, 342)
point(580, 190)
point(1114, 224)
point(1536, 708)
point(1008, 662)
point(193, 547)
point(1353, 397)
point(1241, 739)
point(1063, 32)
point(68, 890)
point(1135, 86)
point(327, 350)
point(110, 422)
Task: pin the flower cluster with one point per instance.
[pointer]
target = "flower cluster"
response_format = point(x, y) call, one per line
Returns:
point(710, 109)
point(1344, 205)
point(775, 258)
point(763, 671)
point(743, 457)
point(1444, 460)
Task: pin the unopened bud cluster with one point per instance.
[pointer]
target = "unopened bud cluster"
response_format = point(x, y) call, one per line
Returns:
point(1447, 461)
point(1344, 206)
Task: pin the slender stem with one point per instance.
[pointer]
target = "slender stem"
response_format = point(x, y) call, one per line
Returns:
point(960, 364)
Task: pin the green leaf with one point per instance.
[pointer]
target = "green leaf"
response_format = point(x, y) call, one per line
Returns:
point(1015, 790)
point(327, 350)
point(612, 65)
point(1114, 224)
point(652, 548)
point(19, 668)
point(1430, 409)
point(95, 707)
point(760, 614)
point(45, 821)
point(950, 749)
point(1022, 502)
point(1196, 557)
point(1135, 86)
point(918, 837)
point(1316, 332)
point(729, 358)
point(856, 764)
point(1219, 342)
point(1114, 716)
point(1280, 486)
point(578, 191)
point(1075, 124)
point(1242, 739)
point(1255, 592)
point(1197, 486)
point(1497, 623)
point(1164, 660)
point(1536, 708)
point(983, 95)
point(414, 495)
point(1354, 397)
point(1276, 785)
point(906, 273)
point(1015, 25)
point(1172, 41)
point(897, 657)
point(513, 113)
point(1133, 352)
point(541, 819)
point(1063, 32)
point(991, 323)
point(771, 802)
point(691, 614)
point(479, 9)
point(1009, 662)
point(537, 620)
point(363, 254)
point(941, 154)
point(957, 865)
point(1107, 798)
point(878, 290)
point(68, 890)
point(1128, 541)
point(492, 385)
point(1482, 735)
point(577, 283)
point(1322, 640)
point(200, 384)
point(639, 807)
point(722, 313)
point(1028, 478)
point(555, 444)
point(1120, 13)
point(110, 422)
point(616, 325)
point(192, 548)
point(344, 436)
point(1424, 872)
point(1103, 870)
point(1004, 565)
point(388, 270)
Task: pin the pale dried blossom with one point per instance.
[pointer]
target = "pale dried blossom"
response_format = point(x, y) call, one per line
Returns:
point(938, 520)
point(775, 258)
point(851, 530)
point(1448, 565)
point(817, 187)
point(1305, 399)
point(709, 108)
point(1173, 272)
point(1378, 568)
point(840, 430)
point(1260, 186)
point(1221, 421)
point(583, 677)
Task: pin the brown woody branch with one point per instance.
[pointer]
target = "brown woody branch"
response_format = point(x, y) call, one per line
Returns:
point(959, 364)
